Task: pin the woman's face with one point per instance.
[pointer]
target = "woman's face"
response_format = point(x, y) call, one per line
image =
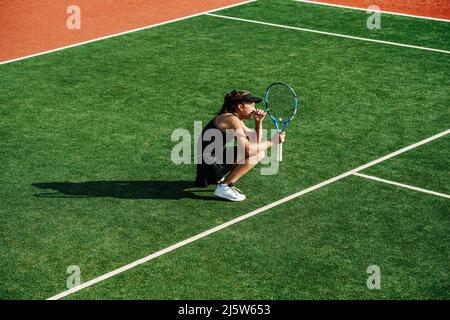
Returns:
point(247, 110)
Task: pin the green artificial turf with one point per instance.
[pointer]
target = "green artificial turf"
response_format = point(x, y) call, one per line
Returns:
point(425, 167)
point(86, 176)
point(316, 247)
point(401, 29)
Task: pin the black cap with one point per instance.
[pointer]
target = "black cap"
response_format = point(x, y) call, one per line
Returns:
point(248, 98)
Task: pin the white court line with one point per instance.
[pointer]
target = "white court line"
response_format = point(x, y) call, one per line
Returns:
point(381, 11)
point(402, 185)
point(125, 32)
point(241, 218)
point(328, 33)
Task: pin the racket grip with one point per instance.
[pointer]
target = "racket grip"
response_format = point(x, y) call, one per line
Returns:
point(280, 152)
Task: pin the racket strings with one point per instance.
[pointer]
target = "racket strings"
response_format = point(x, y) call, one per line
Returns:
point(282, 102)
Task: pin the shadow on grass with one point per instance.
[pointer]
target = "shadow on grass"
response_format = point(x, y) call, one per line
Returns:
point(170, 190)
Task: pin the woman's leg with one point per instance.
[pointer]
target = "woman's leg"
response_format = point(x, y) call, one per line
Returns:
point(241, 169)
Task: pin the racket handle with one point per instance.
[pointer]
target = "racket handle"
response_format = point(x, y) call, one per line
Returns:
point(280, 152)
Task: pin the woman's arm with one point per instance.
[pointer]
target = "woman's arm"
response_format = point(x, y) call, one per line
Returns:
point(258, 115)
point(245, 136)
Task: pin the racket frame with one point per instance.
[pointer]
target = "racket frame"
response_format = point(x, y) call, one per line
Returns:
point(280, 125)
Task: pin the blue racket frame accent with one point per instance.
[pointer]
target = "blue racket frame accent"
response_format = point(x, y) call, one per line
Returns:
point(279, 124)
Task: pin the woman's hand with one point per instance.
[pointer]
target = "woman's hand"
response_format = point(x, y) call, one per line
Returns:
point(278, 137)
point(259, 115)
point(281, 137)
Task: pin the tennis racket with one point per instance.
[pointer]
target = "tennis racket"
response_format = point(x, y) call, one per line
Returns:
point(282, 105)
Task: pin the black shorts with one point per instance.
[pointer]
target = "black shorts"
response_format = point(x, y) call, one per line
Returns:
point(214, 172)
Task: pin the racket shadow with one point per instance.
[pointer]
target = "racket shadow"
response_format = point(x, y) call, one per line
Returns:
point(165, 190)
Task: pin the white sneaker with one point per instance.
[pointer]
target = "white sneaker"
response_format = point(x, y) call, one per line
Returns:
point(229, 193)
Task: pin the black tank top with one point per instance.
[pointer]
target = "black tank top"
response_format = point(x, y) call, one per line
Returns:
point(209, 139)
point(204, 176)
